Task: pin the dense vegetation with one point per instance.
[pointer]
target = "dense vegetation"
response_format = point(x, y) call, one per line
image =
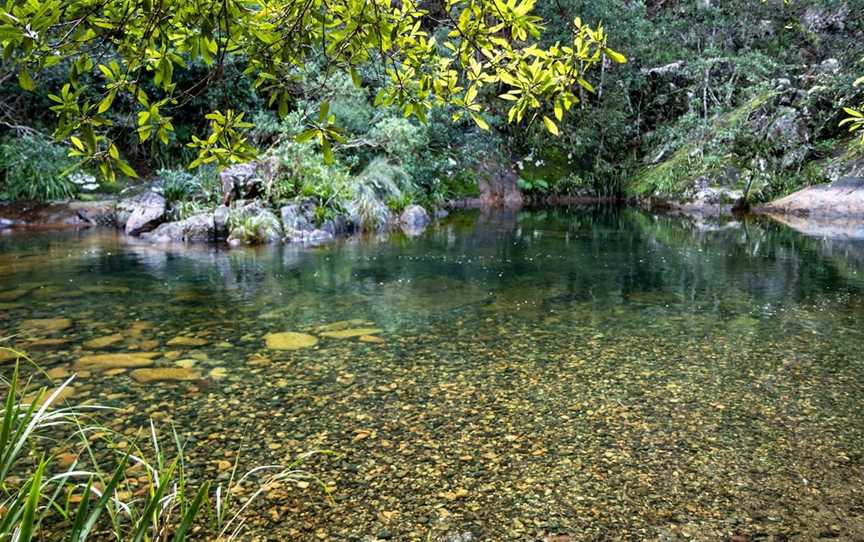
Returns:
point(748, 94)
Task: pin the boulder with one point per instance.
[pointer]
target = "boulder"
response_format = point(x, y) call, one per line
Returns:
point(200, 228)
point(295, 218)
point(414, 216)
point(336, 226)
point(147, 211)
point(169, 232)
point(842, 198)
point(96, 213)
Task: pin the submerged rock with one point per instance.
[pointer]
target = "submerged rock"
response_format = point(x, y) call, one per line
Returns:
point(103, 342)
point(145, 376)
point(47, 325)
point(7, 356)
point(350, 333)
point(13, 295)
point(289, 340)
point(101, 362)
point(187, 341)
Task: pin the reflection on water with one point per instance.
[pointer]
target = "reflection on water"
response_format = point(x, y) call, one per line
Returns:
point(602, 374)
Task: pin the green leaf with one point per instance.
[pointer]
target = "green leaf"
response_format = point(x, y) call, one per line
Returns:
point(550, 125)
point(328, 152)
point(303, 137)
point(25, 80)
point(615, 56)
point(479, 121)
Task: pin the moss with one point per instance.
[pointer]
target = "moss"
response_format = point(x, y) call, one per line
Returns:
point(691, 160)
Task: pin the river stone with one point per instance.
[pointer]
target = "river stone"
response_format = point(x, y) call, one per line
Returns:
point(344, 324)
point(187, 341)
point(103, 342)
point(65, 393)
point(13, 295)
point(351, 333)
point(48, 325)
point(289, 340)
point(7, 356)
point(148, 211)
point(145, 376)
point(105, 289)
point(10, 306)
point(371, 339)
point(101, 362)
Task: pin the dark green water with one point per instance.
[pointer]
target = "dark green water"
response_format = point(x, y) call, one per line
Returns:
point(603, 375)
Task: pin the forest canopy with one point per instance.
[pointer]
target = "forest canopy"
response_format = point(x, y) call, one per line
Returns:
point(471, 55)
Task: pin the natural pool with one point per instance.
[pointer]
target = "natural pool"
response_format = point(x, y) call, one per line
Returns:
point(591, 374)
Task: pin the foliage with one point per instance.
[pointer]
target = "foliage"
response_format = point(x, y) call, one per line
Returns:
point(533, 187)
point(35, 168)
point(250, 227)
point(486, 49)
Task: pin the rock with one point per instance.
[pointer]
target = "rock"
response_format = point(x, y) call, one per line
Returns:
point(200, 228)
point(147, 212)
point(64, 393)
point(145, 376)
point(7, 355)
point(371, 339)
point(246, 181)
point(58, 373)
point(103, 342)
point(96, 213)
point(13, 295)
point(314, 237)
point(350, 333)
point(187, 341)
point(47, 325)
point(170, 232)
point(343, 324)
point(843, 198)
point(336, 226)
point(105, 289)
point(442, 213)
point(702, 193)
point(6, 223)
point(220, 221)
point(829, 66)
point(295, 220)
point(289, 340)
point(101, 362)
point(414, 216)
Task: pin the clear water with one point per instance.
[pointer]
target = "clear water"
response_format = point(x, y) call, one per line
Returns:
point(594, 374)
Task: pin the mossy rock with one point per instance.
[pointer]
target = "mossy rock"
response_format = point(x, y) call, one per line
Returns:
point(47, 325)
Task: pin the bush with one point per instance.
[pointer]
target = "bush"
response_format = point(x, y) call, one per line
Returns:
point(34, 168)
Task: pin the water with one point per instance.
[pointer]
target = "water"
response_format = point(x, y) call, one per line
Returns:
point(597, 374)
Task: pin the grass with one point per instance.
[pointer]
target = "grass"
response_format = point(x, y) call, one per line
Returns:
point(39, 498)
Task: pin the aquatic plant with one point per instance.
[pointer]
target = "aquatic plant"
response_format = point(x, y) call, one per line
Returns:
point(38, 498)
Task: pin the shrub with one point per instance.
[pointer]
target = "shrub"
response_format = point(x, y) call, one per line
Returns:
point(35, 168)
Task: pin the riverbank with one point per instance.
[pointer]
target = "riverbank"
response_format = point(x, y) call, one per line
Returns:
point(146, 215)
